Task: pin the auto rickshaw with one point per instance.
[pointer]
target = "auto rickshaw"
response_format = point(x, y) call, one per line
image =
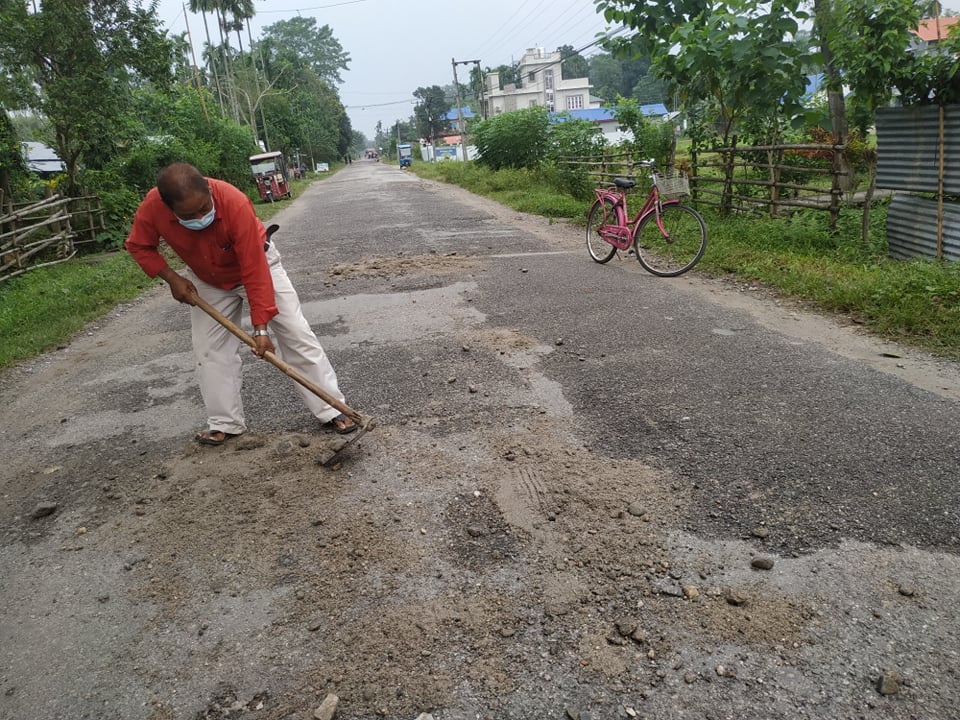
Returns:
point(270, 174)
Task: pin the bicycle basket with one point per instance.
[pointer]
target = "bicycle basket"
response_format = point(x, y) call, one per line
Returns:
point(672, 185)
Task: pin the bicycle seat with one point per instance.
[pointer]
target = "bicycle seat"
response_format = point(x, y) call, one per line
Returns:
point(624, 183)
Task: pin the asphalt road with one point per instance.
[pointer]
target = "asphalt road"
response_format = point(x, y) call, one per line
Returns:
point(503, 364)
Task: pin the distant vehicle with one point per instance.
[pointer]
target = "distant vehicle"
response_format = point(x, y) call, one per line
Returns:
point(405, 155)
point(270, 174)
point(371, 154)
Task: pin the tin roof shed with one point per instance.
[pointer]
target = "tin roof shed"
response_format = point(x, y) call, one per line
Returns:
point(41, 158)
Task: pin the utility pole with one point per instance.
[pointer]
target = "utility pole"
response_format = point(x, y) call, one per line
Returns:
point(456, 86)
point(483, 84)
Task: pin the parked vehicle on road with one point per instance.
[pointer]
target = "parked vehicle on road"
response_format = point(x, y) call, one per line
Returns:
point(270, 173)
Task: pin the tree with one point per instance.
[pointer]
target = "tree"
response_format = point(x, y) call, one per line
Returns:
point(739, 54)
point(379, 137)
point(74, 63)
point(572, 65)
point(305, 111)
point(878, 60)
point(649, 90)
point(402, 130)
point(606, 76)
point(300, 42)
point(506, 74)
point(11, 158)
point(431, 111)
point(203, 7)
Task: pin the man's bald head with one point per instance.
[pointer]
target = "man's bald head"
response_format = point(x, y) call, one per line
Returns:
point(179, 182)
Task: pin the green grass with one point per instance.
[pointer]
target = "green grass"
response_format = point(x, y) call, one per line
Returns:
point(916, 302)
point(43, 308)
point(522, 190)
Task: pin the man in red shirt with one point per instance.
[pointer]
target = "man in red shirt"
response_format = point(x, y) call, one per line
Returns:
point(212, 226)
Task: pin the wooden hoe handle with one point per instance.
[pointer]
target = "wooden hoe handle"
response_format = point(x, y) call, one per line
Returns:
point(361, 420)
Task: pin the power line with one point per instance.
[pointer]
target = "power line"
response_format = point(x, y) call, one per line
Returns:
point(521, 27)
point(569, 17)
point(318, 7)
point(496, 32)
point(364, 106)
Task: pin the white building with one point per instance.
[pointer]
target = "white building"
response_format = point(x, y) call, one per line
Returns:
point(539, 84)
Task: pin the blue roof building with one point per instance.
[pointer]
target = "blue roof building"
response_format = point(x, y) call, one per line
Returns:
point(453, 119)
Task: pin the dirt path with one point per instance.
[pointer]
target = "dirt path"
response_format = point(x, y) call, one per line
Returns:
point(500, 547)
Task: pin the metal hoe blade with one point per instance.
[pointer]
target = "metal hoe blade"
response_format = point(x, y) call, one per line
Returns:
point(330, 454)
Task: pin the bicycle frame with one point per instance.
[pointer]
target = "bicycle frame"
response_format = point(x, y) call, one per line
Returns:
point(620, 234)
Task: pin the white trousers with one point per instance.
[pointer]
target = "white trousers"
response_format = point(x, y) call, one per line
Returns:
point(217, 350)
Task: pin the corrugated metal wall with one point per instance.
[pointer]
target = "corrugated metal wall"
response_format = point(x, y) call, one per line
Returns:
point(908, 160)
point(912, 228)
point(908, 156)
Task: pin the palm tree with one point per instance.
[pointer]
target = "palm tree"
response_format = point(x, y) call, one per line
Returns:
point(203, 7)
point(242, 12)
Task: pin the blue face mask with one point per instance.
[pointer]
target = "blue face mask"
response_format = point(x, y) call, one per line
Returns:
point(201, 223)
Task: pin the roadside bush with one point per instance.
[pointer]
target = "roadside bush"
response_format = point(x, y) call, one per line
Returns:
point(171, 128)
point(574, 139)
point(518, 139)
point(651, 139)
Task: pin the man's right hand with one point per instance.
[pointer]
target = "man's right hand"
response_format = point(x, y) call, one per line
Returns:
point(182, 289)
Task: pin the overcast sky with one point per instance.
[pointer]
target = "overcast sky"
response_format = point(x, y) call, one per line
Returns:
point(396, 46)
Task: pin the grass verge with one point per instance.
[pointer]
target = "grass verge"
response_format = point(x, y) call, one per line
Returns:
point(43, 308)
point(916, 302)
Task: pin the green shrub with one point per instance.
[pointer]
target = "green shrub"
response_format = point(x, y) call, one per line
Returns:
point(518, 139)
point(574, 139)
point(651, 139)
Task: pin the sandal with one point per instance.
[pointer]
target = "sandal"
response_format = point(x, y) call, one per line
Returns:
point(213, 437)
point(342, 424)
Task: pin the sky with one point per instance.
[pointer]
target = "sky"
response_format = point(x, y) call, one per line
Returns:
point(396, 46)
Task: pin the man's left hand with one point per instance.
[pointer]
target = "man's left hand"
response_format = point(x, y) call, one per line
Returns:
point(263, 345)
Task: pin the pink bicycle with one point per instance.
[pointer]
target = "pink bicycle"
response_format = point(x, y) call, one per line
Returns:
point(668, 237)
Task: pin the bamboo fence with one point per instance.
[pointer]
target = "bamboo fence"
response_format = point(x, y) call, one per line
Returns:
point(727, 177)
point(46, 232)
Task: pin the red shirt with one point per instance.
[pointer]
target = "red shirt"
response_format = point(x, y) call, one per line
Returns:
point(227, 253)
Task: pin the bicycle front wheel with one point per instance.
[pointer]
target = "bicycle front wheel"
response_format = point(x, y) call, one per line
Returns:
point(675, 249)
point(602, 213)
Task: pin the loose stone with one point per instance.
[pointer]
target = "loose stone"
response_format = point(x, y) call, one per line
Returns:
point(327, 708)
point(889, 683)
point(43, 509)
point(762, 563)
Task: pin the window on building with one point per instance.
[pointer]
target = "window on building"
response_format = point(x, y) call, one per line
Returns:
point(574, 102)
point(548, 78)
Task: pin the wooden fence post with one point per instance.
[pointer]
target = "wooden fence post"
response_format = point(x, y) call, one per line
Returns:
point(835, 189)
point(775, 158)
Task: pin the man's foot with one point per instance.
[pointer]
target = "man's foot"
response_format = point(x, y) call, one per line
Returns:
point(213, 437)
point(342, 424)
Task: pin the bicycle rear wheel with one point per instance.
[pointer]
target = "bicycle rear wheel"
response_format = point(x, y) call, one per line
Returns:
point(677, 248)
point(602, 213)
